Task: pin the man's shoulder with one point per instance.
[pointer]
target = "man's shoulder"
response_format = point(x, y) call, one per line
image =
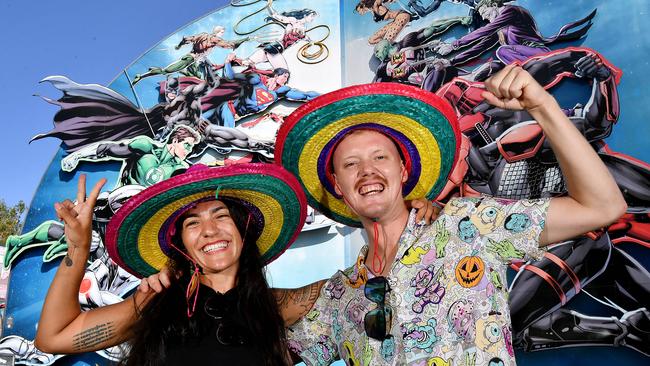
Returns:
point(344, 273)
point(481, 200)
point(461, 201)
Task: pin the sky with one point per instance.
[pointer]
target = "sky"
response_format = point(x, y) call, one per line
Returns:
point(88, 41)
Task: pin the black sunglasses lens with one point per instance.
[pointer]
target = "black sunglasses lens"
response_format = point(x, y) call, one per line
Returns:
point(375, 324)
point(375, 321)
point(227, 333)
point(375, 289)
point(214, 308)
point(228, 336)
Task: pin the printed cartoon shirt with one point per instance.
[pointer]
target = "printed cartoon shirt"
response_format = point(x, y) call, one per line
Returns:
point(447, 294)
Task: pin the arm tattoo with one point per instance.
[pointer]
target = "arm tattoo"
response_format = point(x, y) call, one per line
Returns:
point(68, 257)
point(91, 337)
point(303, 297)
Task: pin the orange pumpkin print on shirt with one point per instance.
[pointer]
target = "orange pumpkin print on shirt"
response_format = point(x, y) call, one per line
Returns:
point(469, 271)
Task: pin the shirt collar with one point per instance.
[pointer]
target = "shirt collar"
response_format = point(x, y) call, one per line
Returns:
point(411, 233)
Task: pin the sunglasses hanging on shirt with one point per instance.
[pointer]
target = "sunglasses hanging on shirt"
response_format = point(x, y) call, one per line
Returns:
point(377, 322)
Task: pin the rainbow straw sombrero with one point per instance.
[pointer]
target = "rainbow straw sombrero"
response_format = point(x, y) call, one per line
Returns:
point(138, 236)
point(422, 124)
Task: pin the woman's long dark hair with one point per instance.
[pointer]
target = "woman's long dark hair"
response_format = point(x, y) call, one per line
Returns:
point(164, 320)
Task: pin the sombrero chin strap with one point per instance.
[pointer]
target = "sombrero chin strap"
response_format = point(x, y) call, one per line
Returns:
point(376, 259)
point(375, 256)
point(248, 221)
point(192, 292)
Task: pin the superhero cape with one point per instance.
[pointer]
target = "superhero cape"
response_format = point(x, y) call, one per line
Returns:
point(91, 113)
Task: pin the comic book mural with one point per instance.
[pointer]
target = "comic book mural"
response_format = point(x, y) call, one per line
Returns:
point(216, 91)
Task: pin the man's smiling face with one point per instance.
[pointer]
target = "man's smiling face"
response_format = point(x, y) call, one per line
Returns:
point(369, 173)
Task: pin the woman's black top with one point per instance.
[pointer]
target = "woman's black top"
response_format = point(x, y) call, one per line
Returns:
point(222, 338)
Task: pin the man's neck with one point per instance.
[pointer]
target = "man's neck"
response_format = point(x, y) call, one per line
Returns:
point(388, 230)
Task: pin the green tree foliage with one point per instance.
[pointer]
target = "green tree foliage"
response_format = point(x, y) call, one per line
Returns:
point(10, 219)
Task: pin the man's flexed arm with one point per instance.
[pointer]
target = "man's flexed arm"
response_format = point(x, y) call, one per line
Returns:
point(594, 199)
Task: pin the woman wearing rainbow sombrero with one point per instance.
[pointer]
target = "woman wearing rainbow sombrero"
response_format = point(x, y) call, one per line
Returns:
point(215, 228)
point(431, 295)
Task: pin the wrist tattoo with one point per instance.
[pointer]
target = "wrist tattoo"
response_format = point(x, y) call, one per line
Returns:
point(68, 257)
point(92, 337)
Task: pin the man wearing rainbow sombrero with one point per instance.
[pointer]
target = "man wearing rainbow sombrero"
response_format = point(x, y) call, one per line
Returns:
point(427, 295)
